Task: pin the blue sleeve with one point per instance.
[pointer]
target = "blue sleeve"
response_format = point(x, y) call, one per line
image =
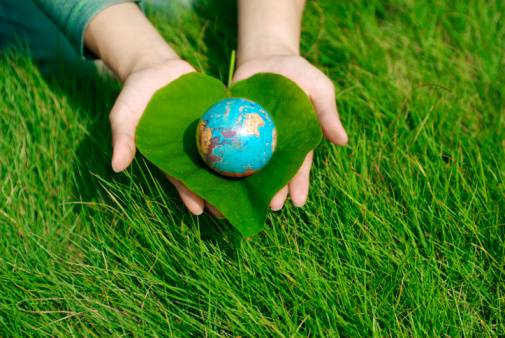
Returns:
point(73, 16)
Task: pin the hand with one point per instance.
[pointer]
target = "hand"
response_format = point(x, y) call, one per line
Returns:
point(135, 52)
point(321, 91)
point(137, 91)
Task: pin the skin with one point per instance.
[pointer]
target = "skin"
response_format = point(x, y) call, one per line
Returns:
point(269, 38)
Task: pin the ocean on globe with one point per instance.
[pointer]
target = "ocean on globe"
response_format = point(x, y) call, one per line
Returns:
point(236, 137)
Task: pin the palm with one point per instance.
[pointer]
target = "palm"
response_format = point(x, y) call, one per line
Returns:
point(131, 102)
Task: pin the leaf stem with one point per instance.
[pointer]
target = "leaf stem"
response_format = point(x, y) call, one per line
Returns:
point(232, 68)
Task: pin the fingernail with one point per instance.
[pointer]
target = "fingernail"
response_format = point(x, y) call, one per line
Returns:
point(197, 212)
point(276, 208)
point(115, 169)
point(299, 204)
point(344, 138)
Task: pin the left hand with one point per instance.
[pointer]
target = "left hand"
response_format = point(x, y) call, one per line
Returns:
point(321, 91)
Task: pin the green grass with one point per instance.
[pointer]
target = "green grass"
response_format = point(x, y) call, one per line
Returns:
point(404, 232)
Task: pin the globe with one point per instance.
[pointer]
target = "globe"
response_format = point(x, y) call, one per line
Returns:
point(236, 137)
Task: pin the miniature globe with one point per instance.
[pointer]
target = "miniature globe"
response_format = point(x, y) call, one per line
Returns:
point(236, 137)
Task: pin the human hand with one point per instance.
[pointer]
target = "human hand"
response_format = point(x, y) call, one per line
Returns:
point(137, 91)
point(132, 48)
point(321, 91)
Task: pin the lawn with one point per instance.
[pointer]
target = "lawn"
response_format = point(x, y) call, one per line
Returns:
point(403, 234)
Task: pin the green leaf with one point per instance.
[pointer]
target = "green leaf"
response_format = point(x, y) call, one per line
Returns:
point(166, 137)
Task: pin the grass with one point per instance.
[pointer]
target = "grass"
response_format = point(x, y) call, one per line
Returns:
point(403, 235)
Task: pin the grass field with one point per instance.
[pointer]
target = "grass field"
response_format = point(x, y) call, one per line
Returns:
point(403, 234)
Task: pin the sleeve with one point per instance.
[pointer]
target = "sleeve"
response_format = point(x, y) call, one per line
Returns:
point(73, 16)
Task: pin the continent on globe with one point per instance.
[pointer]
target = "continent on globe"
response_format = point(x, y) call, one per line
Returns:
point(236, 137)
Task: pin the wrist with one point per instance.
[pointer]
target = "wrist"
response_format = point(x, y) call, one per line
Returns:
point(264, 46)
point(269, 28)
point(125, 40)
point(144, 60)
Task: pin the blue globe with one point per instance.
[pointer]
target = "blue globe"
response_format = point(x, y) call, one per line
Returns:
point(236, 137)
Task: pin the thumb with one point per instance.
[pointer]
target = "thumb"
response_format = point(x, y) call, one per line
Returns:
point(123, 123)
point(323, 97)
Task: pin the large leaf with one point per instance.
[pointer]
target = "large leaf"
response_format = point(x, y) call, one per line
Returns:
point(166, 137)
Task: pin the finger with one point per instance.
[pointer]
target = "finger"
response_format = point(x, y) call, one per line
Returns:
point(213, 211)
point(279, 199)
point(299, 185)
point(123, 153)
point(192, 202)
point(123, 124)
point(323, 97)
